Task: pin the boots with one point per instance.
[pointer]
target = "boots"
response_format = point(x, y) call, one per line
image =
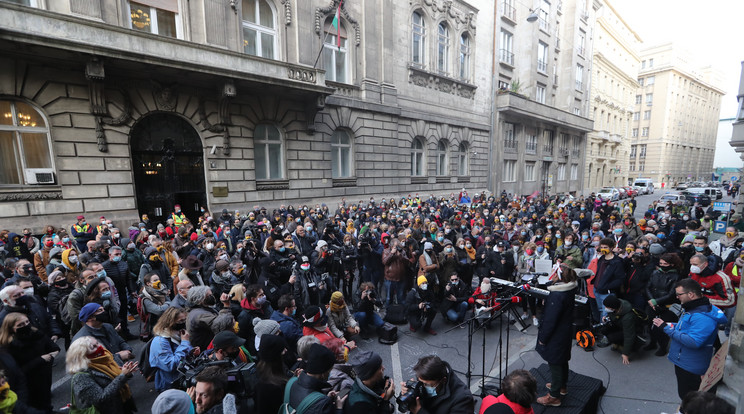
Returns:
point(549, 400)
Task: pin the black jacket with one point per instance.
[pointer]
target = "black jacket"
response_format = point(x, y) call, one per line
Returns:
point(37, 315)
point(459, 291)
point(305, 385)
point(455, 398)
point(555, 334)
point(660, 287)
point(613, 277)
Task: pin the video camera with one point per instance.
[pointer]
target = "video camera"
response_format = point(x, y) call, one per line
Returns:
point(415, 390)
point(241, 378)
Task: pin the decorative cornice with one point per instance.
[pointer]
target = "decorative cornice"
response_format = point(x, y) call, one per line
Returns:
point(287, 12)
point(53, 195)
point(322, 12)
point(272, 185)
point(444, 9)
point(440, 83)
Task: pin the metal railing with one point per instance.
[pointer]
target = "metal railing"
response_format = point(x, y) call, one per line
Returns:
point(531, 147)
point(510, 145)
point(548, 149)
point(508, 11)
point(542, 66)
point(506, 56)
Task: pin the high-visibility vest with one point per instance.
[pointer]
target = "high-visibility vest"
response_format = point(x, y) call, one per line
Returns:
point(178, 219)
point(83, 229)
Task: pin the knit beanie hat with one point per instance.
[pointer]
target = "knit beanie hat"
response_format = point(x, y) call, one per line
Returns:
point(172, 402)
point(265, 327)
point(319, 359)
point(271, 347)
point(365, 364)
point(421, 280)
point(221, 266)
point(612, 302)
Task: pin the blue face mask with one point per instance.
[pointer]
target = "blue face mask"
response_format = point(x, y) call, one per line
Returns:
point(431, 391)
point(116, 259)
point(106, 295)
point(699, 248)
point(618, 231)
point(65, 239)
point(101, 274)
point(281, 249)
point(661, 236)
point(540, 249)
point(294, 311)
point(440, 239)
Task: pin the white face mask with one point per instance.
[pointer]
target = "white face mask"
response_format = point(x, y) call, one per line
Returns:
point(424, 286)
point(568, 243)
point(29, 291)
point(210, 246)
point(485, 287)
point(73, 259)
point(695, 269)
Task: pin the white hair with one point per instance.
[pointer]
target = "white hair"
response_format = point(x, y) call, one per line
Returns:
point(77, 355)
point(6, 291)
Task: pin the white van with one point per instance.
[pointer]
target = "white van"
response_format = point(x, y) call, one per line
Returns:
point(644, 185)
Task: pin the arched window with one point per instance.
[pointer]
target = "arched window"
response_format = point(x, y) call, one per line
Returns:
point(259, 32)
point(335, 52)
point(464, 60)
point(443, 41)
point(417, 157)
point(269, 152)
point(442, 158)
point(418, 40)
point(25, 145)
point(462, 159)
point(341, 154)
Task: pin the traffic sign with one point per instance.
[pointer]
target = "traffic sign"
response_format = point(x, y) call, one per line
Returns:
point(734, 178)
point(722, 206)
point(719, 226)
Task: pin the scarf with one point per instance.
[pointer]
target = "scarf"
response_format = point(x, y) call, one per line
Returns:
point(154, 295)
point(66, 260)
point(471, 252)
point(106, 364)
point(337, 303)
point(427, 258)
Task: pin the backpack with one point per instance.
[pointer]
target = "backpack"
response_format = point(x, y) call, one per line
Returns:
point(396, 314)
point(311, 399)
point(144, 318)
point(144, 363)
point(64, 315)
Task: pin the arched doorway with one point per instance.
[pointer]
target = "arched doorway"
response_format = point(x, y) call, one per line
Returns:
point(168, 164)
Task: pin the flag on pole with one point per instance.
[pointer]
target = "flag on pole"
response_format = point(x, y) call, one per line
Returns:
point(336, 24)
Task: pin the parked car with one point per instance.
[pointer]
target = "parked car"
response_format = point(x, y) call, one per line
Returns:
point(682, 186)
point(697, 197)
point(623, 193)
point(676, 199)
point(644, 185)
point(631, 191)
point(609, 193)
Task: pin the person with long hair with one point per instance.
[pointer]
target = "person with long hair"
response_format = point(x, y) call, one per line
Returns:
point(97, 381)
point(272, 374)
point(169, 346)
point(554, 336)
point(34, 353)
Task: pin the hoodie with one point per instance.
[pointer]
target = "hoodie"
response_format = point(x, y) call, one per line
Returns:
point(692, 338)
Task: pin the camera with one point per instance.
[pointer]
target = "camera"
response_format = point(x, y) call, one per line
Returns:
point(241, 378)
point(427, 306)
point(599, 327)
point(372, 295)
point(415, 390)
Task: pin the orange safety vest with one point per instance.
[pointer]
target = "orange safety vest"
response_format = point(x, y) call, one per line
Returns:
point(83, 229)
point(178, 219)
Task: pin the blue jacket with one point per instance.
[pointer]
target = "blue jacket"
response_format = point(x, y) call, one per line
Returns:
point(290, 328)
point(165, 359)
point(691, 346)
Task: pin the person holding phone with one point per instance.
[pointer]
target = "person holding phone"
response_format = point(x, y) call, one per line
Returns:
point(169, 346)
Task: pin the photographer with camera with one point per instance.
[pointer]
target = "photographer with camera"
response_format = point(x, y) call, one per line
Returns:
point(310, 288)
point(304, 393)
point(436, 390)
point(281, 260)
point(621, 327)
point(396, 267)
point(372, 390)
point(370, 251)
point(365, 314)
point(419, 304)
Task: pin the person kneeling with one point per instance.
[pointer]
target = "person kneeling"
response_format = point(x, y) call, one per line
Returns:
point(623, 328)
point(420, 307)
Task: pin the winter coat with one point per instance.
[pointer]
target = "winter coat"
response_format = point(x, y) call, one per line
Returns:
point(626, 319)
point(554, 337)
point(660, 287)
point(164, 357)
point(573, 256)
point(119, 274)
point(245, 322)
point(204, 323)
point(396, 265)
point(92, 387)
point(41, 260)
point(611, 280)
point(303, 387)
point(27, 352)
point(692, 338)
point(362, 399)
point(291, 329)
point(716, 287)
point(341, 377)
point(37, 315)
point(339, 321)
point(108, 337)
point(455, 398)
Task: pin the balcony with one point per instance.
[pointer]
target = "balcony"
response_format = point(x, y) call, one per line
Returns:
point(563, 152)
point(557, 43)
point(531, 147)
point(510, 145)
point(514, 104)
point(542, 66)
point(547, 150)
point(506, 56)
point(580, 51)
point(509, 12)
point(576, 152)
point(544, 25)
point(579, 85)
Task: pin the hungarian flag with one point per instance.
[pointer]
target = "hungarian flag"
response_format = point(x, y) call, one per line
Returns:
point(335, 23)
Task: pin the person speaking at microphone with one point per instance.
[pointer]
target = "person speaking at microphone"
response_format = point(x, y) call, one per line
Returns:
point(554, 335)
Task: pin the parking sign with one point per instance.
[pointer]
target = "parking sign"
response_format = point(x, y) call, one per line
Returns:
point(719, 226)
point(722, 206)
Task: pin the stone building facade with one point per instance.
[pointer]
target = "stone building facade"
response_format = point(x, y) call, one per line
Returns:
point(615, 64)
point(120, 108)
point(675, 117)
point(541, 114)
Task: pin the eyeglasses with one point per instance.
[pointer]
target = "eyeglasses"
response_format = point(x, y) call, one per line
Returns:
point(680, 294)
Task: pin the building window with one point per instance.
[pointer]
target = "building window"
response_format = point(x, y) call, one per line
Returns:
point(542, 57)
point(641, 165)
point(540, 93)
point(632, 166)
point(505, 53)
point(564, 142)
point(529, 171)
point(579, 77)
point(639, 99)
point(509, 140)
point(561, 172)
point(574, 172)
point(582, 43)
point(642, 152)
point(441, 158)
point(636, 116)
point(464, 60)
point(335, 54)
point(650, 80)
point(635, 132)
point(549, 140)
point(161, 21)
point(462, 159)
point(651, 63)
point(269, 152)
point(577, 111)
point(543, 14)
point(510, 168)
point(341, 154)
point(259, 33)
point(649, 98)
point(643, 64)
point(531, 140)
point(646, 114)
point(443, 41)
point(418, 41)
point(417, 157)
point(633, 149)
point(644, 132)
point(640, 82)
point(25, 145)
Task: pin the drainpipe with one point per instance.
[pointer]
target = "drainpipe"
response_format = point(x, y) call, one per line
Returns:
point(492, 132)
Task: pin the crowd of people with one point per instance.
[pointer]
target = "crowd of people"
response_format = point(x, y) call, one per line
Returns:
point(293, 289)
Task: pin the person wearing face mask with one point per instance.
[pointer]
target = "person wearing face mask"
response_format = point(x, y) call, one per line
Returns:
point(445, 393)
point(484, 299)
point(41, 258)
point(169, 346)
point(222, 278)
point(499, 262)
point(34, 352)
point(610, 274)
point(14, 299)
point(118, 271)
point(420, 305)
point(570, 252)
point(154, 264)
point(70, 263)
point(341, 322)
point(82, 232)
point(97, 381)
point(96, 324)
point(254, 305)
point(716, 286)
point(204, 321)
point(154, 300)
point(100, 291)
point(625, 327)
point(660, 296)
point(288, 324)
point(700, 244)
point(59, 288)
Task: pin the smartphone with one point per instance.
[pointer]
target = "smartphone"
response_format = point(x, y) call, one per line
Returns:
point(342, 393)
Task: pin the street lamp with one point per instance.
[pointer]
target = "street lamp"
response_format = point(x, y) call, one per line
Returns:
point(532, 18)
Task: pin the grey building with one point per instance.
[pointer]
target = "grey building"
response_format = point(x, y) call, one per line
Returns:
point(121, 108)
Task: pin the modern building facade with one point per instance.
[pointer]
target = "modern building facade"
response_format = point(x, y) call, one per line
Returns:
point(675, 117)
point(613, 88)
point(121, 108)
point(541, 105)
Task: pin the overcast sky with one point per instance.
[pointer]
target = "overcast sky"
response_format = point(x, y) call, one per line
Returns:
point(710, 30)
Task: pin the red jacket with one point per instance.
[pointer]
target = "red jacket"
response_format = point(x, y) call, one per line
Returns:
point(491, 400)
point(717, 288)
